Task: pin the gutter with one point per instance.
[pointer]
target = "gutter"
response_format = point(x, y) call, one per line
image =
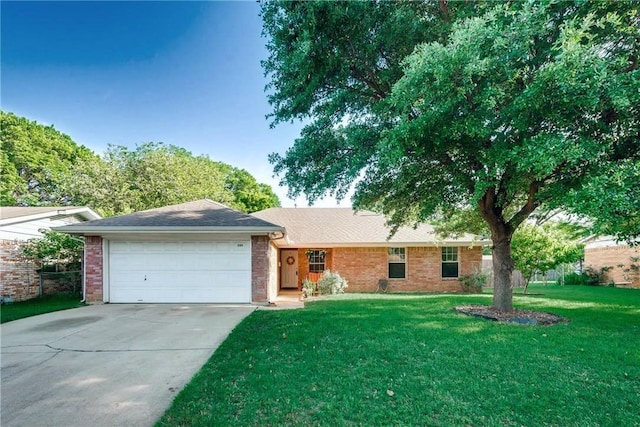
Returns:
point(81, 230)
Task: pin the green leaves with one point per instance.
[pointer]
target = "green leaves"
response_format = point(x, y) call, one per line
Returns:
point(41, 166)
point(542, 248)
point(33, 158)
point(155, 175)
point(522, 100)
point(610, 200)
point(54, 247)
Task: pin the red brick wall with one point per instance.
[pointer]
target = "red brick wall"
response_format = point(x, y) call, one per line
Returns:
point(93, 269)
point(259, 268)
point(18, 277)
point(617, 257)
point(303, 263)
point(363, 267)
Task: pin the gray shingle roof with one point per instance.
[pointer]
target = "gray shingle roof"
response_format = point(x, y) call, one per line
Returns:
point(201, 214)
point(321, 227)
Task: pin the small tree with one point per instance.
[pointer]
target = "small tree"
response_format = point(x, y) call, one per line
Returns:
point(542, 248)
point(54, 248)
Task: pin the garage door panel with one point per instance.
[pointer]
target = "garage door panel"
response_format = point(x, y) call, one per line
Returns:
point(218, 271)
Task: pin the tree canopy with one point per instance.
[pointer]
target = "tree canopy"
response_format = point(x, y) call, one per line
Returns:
point(610, 200)
point(155, 175)
point(434, 106)
point(33, 159)
point(42, 166)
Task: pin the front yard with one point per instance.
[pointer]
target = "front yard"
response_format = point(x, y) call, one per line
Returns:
point(35, 306)
point(411, 360)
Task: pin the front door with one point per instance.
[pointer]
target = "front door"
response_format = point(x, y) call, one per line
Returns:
point(289, 269)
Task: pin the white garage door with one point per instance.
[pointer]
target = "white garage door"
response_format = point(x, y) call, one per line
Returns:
point(180, 272)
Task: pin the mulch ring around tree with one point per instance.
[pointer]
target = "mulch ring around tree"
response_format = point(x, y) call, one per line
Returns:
point(522, 317)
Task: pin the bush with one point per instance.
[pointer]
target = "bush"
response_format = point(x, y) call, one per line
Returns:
point(576, 279)
point(331, 283)
point(308, 288)
point(473, 283)
point(597, 277)
point(590, 277)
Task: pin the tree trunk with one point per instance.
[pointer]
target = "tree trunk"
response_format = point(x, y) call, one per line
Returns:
point(502, 270)
point(491, 207)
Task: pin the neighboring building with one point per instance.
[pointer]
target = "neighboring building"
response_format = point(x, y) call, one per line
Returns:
point(18, 277)
point(621, 260)
point(205, 252)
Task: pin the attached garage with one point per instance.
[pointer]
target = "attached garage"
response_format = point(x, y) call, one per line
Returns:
point(180, 272)
point(197, 252)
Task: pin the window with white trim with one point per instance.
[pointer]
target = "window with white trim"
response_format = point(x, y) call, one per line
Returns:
point(397, 263)
point(316, 260)
point(449, 262)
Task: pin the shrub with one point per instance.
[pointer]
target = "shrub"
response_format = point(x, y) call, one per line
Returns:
point(576, 279)
point(473, 283)
point(308, 288)
point(331, 283)
point(597, 277)
point(590, 277)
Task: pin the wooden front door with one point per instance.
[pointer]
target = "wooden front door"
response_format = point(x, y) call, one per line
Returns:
point(289, 269)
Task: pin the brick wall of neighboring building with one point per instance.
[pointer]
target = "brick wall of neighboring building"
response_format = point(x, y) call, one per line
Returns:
point(259, 268)
point(620, 258)
point(19, 279)
point(364, 267)
point(94, 269)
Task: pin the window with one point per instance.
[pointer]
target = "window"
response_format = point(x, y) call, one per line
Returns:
point(397, 263)
point(449, 262)
point(316, 260)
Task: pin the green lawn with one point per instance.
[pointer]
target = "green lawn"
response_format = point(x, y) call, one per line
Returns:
point(410, 360)
point(33, 307)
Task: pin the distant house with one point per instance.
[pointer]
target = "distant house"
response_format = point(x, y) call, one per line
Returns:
point(619, 259)
point(18, 277)
point(205, 252)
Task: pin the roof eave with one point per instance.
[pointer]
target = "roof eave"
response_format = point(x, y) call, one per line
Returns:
point(428, 243)
point(85, 212)
point(80, 230)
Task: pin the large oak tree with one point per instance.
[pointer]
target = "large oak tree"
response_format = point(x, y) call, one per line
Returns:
point(431, 106)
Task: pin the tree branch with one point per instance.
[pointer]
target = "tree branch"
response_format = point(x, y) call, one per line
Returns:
point(530, 205)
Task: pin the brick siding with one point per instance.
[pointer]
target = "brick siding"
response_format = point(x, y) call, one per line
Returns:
point(19, 279)
point(93, 270)
point(618, 257)
point(260, 260)
point(364, 267)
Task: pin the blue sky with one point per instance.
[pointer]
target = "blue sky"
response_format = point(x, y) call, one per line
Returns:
point(185, 73)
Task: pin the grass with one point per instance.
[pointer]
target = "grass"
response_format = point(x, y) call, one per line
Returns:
point(33, 307)
point(410, 360)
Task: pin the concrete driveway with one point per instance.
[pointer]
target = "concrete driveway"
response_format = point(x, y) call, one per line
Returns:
point(106, 365)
